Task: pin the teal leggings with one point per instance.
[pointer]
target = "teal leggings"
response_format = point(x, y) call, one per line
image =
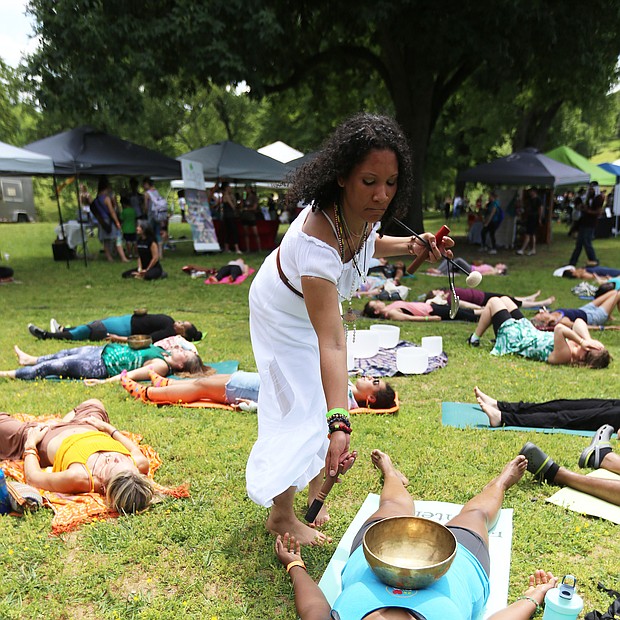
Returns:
point(119, 325)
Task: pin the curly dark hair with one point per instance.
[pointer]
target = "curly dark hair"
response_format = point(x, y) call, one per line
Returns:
point(316, 182)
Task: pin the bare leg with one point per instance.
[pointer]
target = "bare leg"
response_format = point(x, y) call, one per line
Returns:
point(211, 388)
point(481, 511)
point(23, 358)
point(282, 519)
point(529, 297)
point(313, 490)
point(534, 304)
point(609, 490)
point(7, 373)
point(484, 322)
point(489, 406)
point(608, 301)
point(395, 499)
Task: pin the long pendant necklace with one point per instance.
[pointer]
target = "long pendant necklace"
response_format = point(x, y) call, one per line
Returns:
point(345, 233)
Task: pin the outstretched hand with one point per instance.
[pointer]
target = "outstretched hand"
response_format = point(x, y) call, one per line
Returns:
point(287, 549)
point(436, 251)
point(91, 382)
point(540, 583)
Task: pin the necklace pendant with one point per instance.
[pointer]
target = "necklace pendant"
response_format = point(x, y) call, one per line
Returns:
point(350, 316)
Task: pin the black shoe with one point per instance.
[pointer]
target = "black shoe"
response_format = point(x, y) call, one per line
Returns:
point(473, 343)
point(37, 332)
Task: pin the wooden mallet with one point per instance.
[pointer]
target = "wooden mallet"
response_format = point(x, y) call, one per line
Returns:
point(317, 504)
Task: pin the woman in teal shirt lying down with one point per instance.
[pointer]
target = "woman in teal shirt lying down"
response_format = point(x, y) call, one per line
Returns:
point(461, 594)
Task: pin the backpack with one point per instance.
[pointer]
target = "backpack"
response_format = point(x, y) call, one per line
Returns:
point(99, 210)
point(158, 206)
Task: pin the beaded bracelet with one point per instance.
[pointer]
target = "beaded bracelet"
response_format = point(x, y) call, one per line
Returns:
point(337, 411)
point(295, 563)
point(531, 600)
point(338, 418)
point(339, 426)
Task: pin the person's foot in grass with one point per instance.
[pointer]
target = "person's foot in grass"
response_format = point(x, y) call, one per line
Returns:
point(134, 388)
point(23, 358)
point(157, 380)
point(383, 463)
point(489, 406)
point(282, 519)
point(512, 472)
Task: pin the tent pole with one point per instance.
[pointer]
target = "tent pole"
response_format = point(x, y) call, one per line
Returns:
point(62, 227)
point(79, 210)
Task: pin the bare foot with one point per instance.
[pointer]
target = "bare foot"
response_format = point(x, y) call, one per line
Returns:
point(512, 472)
point(530, 297)
point(489, 406)
point(384, 464)
point(303, 533)
point(322, 518)
point(23, 358)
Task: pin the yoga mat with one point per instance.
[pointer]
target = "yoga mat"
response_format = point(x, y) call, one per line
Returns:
point(467, 415)
point(586, 504)
point(500, 547)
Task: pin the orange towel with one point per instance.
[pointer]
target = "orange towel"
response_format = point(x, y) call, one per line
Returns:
point(70, 511)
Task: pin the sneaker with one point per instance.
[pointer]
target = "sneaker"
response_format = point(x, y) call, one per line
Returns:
point(482, 249)
point(55, 326)
point(473, 343)
point(531, 253)
point(492, 251)
point(519, 252)
point(37, 332)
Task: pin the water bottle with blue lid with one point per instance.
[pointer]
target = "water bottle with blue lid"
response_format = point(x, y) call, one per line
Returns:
point(5, 503)
point(563, 603)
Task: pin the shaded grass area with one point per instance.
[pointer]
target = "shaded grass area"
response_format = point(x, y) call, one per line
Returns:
point(209, 556)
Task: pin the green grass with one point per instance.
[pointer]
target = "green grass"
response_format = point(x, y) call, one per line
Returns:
point(209, 556)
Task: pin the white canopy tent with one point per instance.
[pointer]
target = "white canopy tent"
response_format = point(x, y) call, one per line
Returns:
point(281, 151)
point(14, 160)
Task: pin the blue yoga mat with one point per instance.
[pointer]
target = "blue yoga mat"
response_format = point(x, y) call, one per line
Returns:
point(467, 415)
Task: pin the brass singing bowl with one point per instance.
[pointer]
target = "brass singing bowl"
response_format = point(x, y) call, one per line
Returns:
point(139, 341)
point(409, 552)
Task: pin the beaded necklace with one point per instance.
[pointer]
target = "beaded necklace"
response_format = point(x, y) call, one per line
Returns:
point(343, 234)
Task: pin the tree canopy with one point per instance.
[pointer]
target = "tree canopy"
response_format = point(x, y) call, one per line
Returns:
point(407, 57)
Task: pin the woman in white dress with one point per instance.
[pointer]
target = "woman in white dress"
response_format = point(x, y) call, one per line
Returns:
point(362, 177)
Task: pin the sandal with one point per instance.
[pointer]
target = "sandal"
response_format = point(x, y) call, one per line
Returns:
point(591, 456)
point(538, 463)
point(157, 380)
point(134, 388)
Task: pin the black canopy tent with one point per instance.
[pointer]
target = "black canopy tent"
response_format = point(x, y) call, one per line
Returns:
point(87, 151)
point(231, 161)
point(525, 167)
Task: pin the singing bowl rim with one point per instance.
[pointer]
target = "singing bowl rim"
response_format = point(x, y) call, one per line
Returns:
point(139, 341)
point(419, 577)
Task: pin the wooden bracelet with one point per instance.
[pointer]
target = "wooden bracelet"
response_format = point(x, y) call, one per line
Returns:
point(295, 563)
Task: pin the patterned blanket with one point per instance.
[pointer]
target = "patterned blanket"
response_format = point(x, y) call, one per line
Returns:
point(70, 511)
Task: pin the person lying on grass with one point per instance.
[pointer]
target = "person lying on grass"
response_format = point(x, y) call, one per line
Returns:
point(475, 298)
point(240, 390)
point(103, 364)
point(87, 455)
point(119, 328)
point(415, 311)
point(515, 334)
point(599, 454)
point(587, 414)
point(594, 313)
point(461, 593)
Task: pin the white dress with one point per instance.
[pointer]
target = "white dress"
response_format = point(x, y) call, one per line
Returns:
point(292, 426)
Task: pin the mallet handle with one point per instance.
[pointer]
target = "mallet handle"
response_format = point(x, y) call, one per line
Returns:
point(441, 233)
point(321, 496)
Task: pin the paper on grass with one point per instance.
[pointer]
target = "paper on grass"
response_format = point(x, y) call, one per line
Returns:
point(500, 544)
point(586, 504)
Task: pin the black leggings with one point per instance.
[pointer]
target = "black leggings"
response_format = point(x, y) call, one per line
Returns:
point(463, 314)
point(499, 318)
point(587, 414)
point(234, 271)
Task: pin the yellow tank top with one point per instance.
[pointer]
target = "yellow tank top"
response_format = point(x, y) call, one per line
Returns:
point(77, 448)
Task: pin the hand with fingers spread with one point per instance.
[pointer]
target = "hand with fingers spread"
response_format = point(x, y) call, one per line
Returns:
point(288, 549)
point(540, 583)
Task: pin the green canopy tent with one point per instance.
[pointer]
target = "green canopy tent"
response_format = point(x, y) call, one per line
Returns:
point(566, 155)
